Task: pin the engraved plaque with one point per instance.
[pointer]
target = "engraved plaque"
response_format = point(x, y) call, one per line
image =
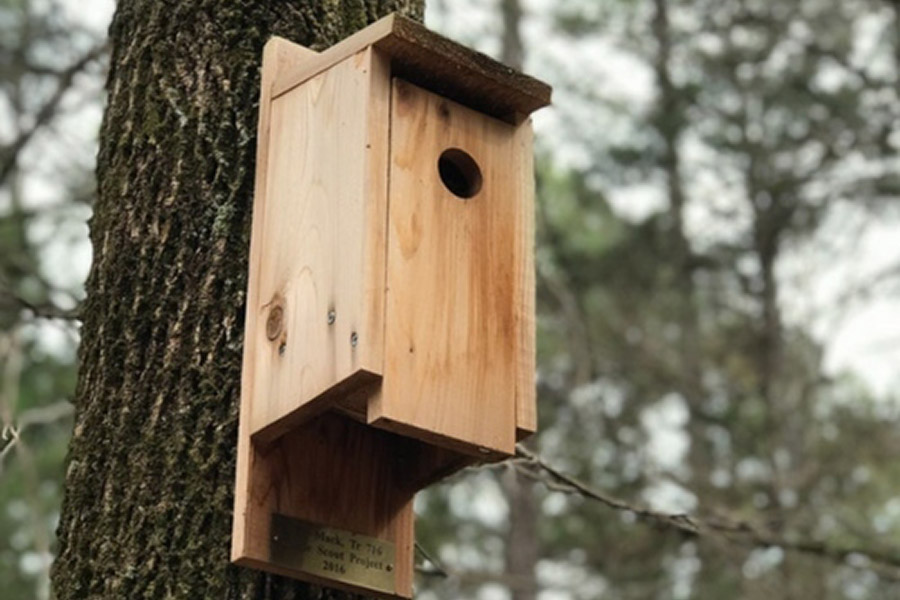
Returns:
point(332, 553)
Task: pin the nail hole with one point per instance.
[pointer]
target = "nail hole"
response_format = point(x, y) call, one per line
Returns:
point(460, 173)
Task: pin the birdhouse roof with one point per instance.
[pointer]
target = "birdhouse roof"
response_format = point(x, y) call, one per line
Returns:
point(435, 63)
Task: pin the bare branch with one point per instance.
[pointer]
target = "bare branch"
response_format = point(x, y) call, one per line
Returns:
point(43, 310)
point(438, 568)
point(9, 153)
point(11, 433)
point(44, 415)
point(11, 352)
point(737, 531)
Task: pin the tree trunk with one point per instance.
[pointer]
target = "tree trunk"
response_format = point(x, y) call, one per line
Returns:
point(147, 510)
point(522, 550)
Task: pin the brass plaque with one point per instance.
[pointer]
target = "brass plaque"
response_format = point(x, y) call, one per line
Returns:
point(332, 553)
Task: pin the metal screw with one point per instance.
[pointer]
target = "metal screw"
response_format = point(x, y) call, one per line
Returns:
point(332, 317)
point(281, 349)
point(354, 339)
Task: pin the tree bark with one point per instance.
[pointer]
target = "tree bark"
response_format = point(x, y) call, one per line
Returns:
point(150, 475)
point(522, 552)
point(512, 50)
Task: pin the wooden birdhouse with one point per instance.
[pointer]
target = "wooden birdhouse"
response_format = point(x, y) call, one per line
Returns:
point(390, 312)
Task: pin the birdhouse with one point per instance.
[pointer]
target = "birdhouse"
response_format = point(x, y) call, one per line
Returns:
point(389, 335)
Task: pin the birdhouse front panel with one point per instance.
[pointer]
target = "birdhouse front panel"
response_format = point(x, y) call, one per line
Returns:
point(459, 242)
point(320, 284)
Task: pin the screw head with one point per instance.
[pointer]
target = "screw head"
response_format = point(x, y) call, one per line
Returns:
point(332, 317)
point(354, 339)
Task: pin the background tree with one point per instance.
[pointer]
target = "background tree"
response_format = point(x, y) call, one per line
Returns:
point(49, 67)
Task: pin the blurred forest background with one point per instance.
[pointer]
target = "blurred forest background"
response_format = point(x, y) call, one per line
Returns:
point(718, 268)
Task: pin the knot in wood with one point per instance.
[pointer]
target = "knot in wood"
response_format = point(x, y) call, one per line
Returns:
point(275, 322)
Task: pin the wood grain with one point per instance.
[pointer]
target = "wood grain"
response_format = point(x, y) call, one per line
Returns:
point(435, 63)
point(457, 333)
point(526, 367)
point(390, 324)
point(278, 55)
point(339, 473)
point(322, 246)
point(329, 468)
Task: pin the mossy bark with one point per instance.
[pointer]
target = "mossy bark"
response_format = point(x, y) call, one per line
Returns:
point(150, 475)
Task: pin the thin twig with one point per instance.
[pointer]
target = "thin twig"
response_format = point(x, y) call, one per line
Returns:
point(44, 415)
point(738, 531)
point(438, 567)
point(9, 153)
point(11, 425)
point(44, 310)
point(11, 352)
point(11, 433)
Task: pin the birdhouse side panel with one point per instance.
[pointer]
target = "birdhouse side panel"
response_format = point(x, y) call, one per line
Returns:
point(278, 55)
point(526, 382)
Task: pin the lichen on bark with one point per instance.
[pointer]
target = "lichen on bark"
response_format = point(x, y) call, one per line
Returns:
point(150, 473)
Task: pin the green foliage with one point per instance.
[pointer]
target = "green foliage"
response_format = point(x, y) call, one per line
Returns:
point(31, 478)
point(43, 190)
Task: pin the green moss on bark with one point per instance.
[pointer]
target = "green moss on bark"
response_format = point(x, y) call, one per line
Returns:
point(150, 474)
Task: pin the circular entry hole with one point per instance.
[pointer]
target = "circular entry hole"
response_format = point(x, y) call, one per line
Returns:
point(460, 173)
